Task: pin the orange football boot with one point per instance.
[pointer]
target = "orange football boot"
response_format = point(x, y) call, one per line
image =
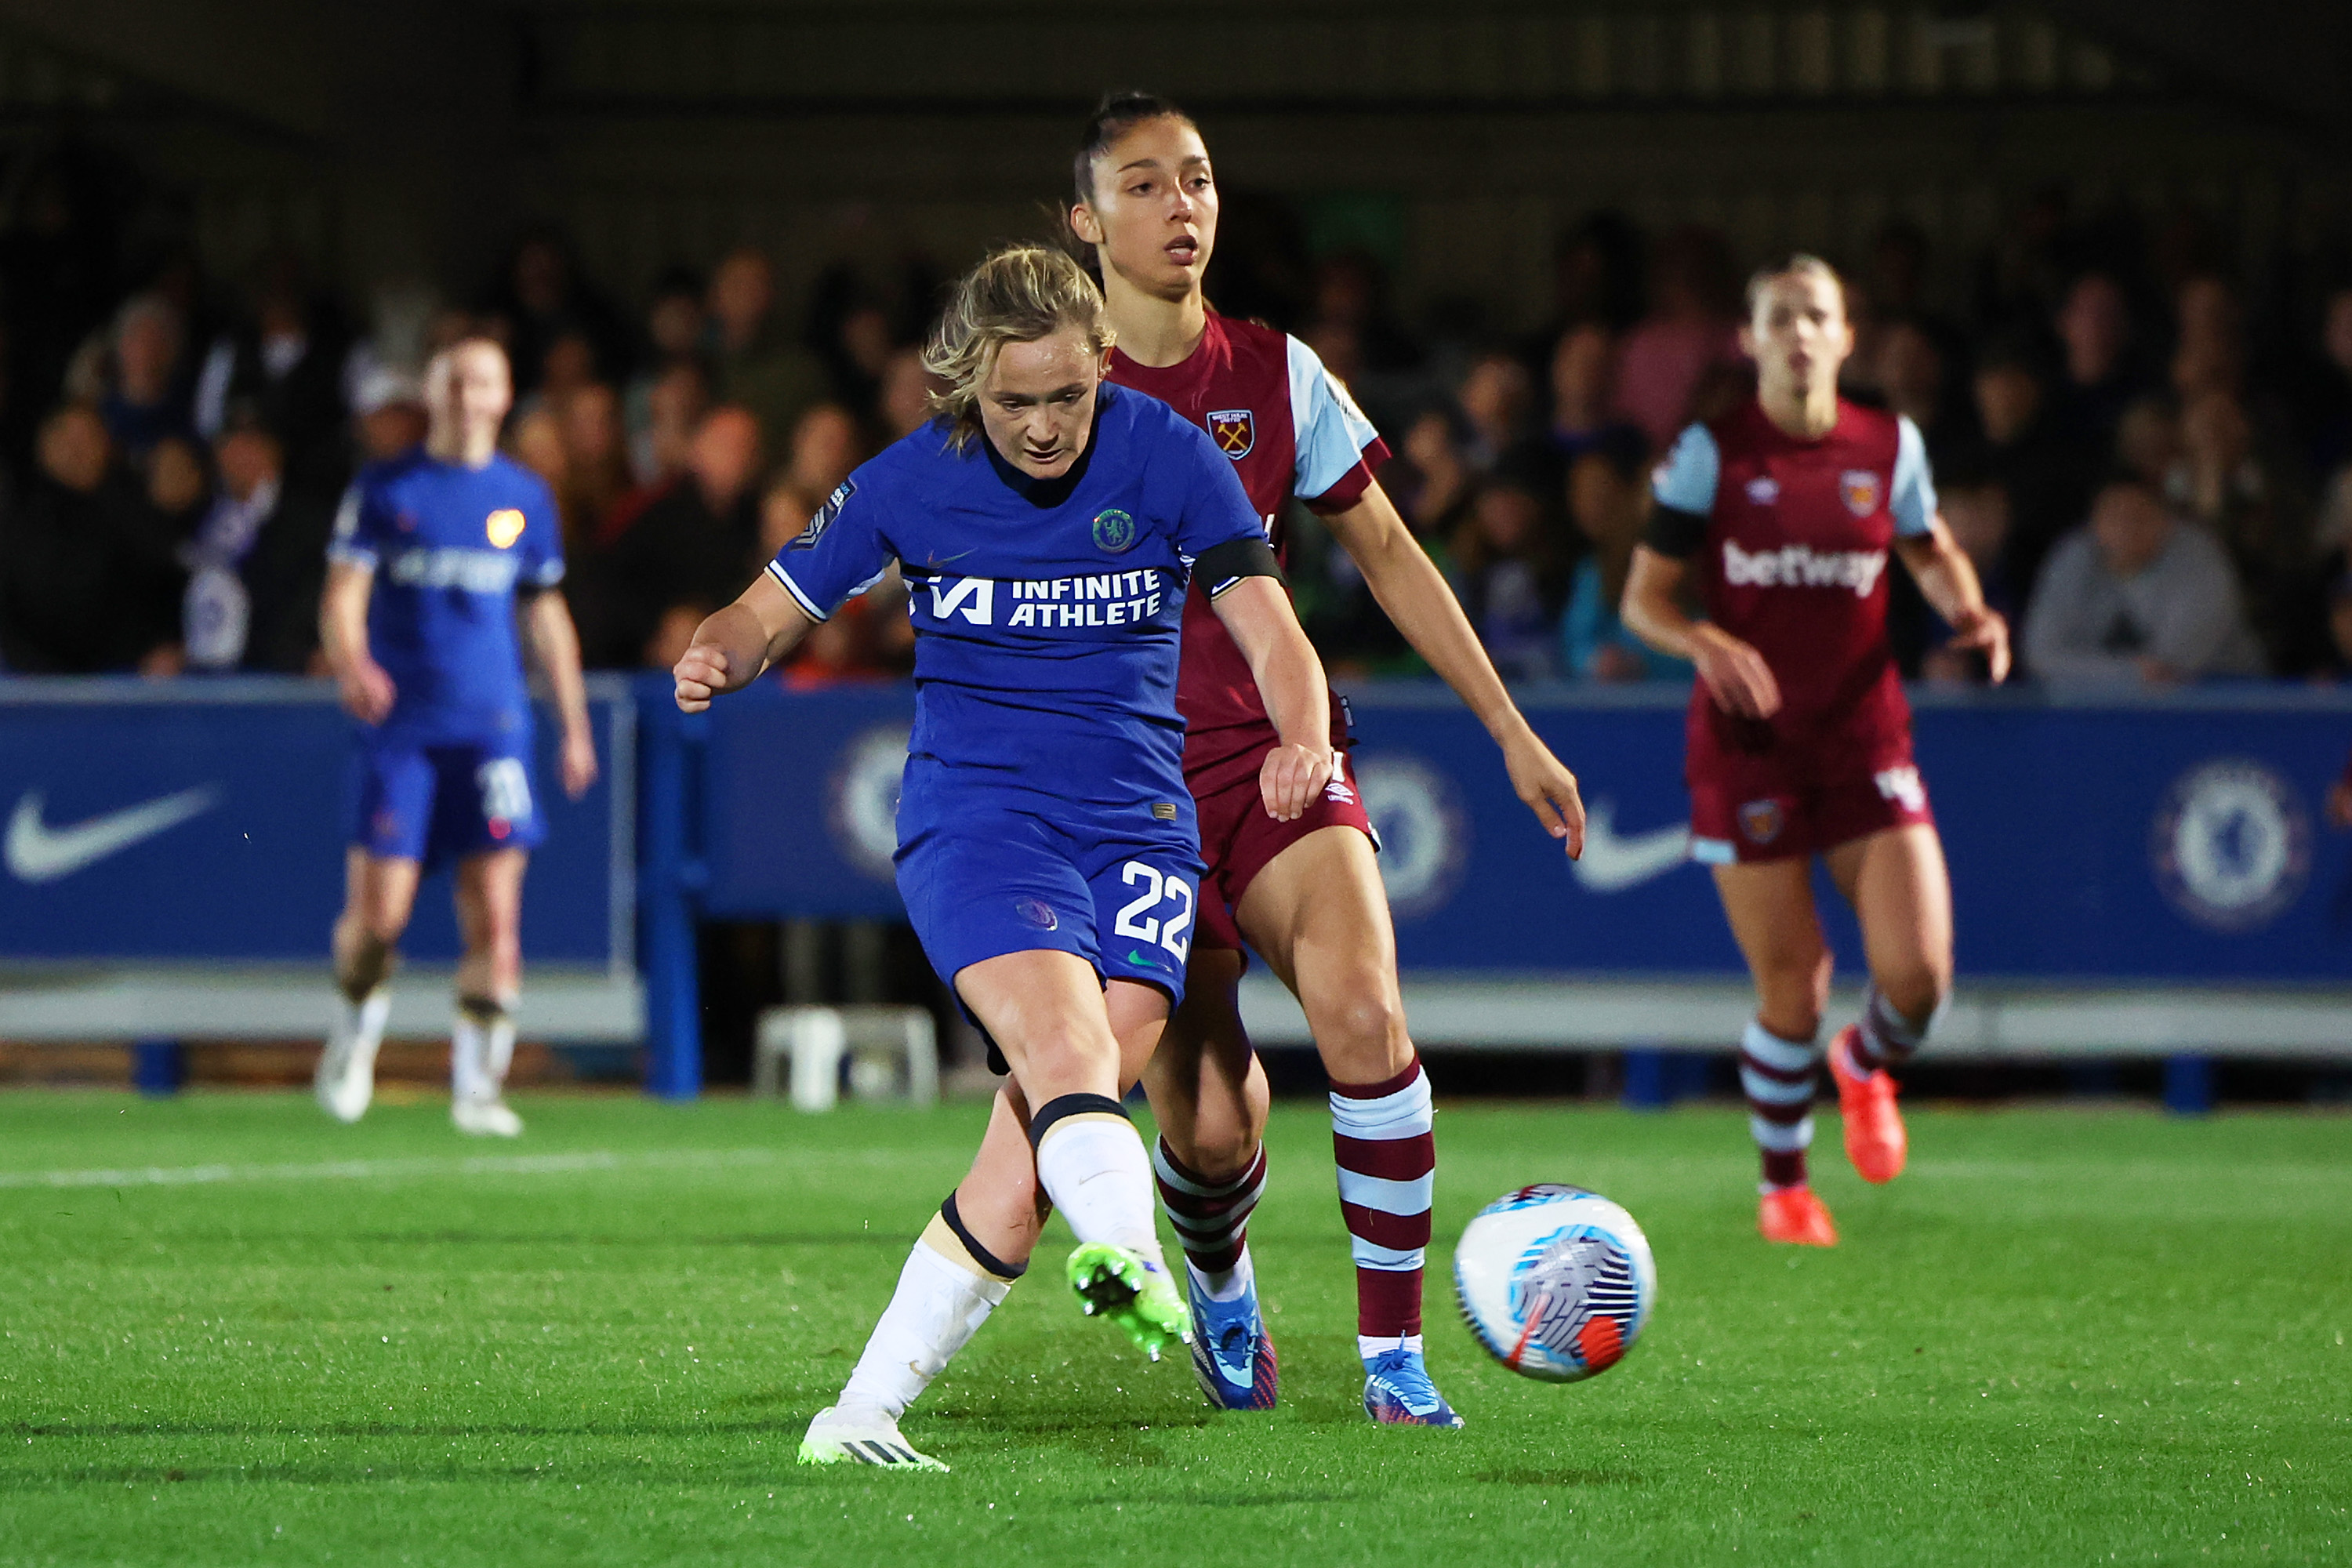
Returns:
point(1795, 1215)
point(1875, 1139)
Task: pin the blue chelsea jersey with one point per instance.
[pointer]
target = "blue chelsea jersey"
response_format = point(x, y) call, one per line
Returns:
point(1046, 613)
point(450, 545)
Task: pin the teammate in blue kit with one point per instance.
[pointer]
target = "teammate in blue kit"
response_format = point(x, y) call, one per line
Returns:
point(435, 556)
point(1048, 525)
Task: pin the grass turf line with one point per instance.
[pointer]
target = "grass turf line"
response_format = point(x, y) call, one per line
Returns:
point(2062, 1336)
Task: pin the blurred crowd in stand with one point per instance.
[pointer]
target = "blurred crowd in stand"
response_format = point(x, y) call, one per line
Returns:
point(2146, 451)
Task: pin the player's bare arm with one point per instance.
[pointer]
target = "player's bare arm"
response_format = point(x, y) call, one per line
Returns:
point(1947, 579)
point(1298, 698)
point(1736, 675)
point(554, 643)
point(1413, 594)
point(367, 691)
point(732, 647)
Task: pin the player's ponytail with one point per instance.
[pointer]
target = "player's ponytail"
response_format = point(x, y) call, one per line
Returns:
point(1018, 295)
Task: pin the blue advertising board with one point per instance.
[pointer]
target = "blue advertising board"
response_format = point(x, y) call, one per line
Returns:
point(206, 822)
point(2115, 841)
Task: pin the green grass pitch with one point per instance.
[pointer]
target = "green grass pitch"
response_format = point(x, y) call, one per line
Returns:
point(2062, 1337)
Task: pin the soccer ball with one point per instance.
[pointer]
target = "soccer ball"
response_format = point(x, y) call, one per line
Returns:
point(1555, 1281)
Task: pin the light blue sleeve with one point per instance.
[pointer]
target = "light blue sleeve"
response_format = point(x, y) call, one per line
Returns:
point(1686, 480)
point(1912, 502)
point(1332, 432)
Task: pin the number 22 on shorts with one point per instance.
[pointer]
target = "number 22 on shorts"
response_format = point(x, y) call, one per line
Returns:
point(1157, 889)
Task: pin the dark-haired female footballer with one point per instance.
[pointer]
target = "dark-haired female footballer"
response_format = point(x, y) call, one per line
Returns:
point(1781, 516)
point(1303, 888)
point(1047, 527)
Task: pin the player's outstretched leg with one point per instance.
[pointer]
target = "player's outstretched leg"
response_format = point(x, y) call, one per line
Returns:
point(1233, 1354)
point(945, 1292)
point(344, 1082)
point(1092, 1164)
point(1384, 1139)
point(1209, 1093)
point(1901, 892)
point(1778, 1077)
point(379, 892)
point(1319, 915)
point(1875, 1138)
point(482, 1035)
point(481, 1049)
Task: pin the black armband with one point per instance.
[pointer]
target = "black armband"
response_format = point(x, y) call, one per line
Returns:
point(1674, 532)
point(1221, 566)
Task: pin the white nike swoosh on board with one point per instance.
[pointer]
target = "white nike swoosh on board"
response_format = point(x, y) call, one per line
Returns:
point(1611, 864)
point(38, 853)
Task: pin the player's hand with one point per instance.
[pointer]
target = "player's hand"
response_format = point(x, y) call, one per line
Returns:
point(367, 692)
point(2339, 803)
point(702, 672)
point(1290, 777)
point(579, 761)
point(1736, 676)
point(1985, 632)
point(1547, 788)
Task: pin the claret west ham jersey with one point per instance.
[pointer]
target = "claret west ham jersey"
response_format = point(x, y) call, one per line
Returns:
point(1794, 561)
point(1290, 429)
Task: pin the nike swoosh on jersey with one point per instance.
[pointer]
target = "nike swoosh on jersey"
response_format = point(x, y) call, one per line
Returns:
point(1612, 864)
point(38, 853)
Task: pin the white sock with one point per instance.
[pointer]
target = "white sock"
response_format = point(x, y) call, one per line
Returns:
point(359, 1027)
point(481, 1048)
point(1368, 1345)
point(1223, 1284)
point(942, 1299)
point(502, 1048)
point(1093, 1166)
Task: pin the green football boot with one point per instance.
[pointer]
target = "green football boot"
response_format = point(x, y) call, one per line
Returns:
point(1133, 1293)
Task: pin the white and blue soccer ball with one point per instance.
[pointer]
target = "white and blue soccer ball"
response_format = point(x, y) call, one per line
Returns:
point(1555, 1281)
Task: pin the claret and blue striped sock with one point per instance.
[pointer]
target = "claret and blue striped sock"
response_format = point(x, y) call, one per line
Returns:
point(1211, 1219)
point(1777, 1076)
point(1383, 1137)
point(1884, 1038)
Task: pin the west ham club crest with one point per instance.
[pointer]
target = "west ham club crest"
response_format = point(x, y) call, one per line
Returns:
point(1235, 430)
point(1761, 821)
point(1858, 487)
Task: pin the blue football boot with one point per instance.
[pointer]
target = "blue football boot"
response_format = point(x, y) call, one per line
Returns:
point(1233, 1355)
point(1398, 1393)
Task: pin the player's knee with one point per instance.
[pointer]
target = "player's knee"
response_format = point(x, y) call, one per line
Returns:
point(1361, 1024)
point(378, 924)
point(1222, 1149)
point(1794, 998)
point(1068, 1045)
point(1914, 989)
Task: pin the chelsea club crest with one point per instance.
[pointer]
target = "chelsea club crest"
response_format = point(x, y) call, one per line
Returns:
point(1114, 531)
point(2232, 844)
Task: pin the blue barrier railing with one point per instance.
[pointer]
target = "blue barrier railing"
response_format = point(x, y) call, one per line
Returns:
point(2119, 840)
point(2132, 843)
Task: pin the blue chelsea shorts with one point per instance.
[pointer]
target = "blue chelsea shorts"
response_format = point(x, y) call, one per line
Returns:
point(990, 871)
point(436, 803)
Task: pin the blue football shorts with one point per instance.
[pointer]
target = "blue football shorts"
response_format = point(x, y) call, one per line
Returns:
point(988, 872)
point(436, 803)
